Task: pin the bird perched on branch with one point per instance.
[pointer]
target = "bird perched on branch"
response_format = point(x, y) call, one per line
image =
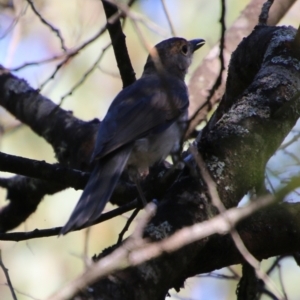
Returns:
point(144, 124)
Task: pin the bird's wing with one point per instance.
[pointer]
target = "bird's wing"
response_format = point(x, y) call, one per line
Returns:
point(144, 107)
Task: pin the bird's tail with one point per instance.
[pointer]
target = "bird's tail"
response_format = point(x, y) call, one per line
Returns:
point(98, 190)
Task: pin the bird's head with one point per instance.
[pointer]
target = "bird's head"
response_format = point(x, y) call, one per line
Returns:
point(173, 56)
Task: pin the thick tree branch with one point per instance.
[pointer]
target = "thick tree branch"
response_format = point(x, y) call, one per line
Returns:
point(71, 138)
point(204, 77)
point(25, 195)
point(42, 170)
point(258, 110)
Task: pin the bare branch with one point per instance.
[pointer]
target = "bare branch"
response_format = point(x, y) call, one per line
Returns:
point(139, 18)
point(212, 188)
point(281, 281)
point(39, 233)
point(218, 81)
point(168, 17)
point(52, 28)
point(129, 221)
point(85, 75)
point(5, 271)
point(14, 23)
point(111, 20)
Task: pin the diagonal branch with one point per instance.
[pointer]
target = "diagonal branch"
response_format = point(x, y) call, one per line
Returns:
point(5, 271)
point(42, 170)
point(52, 28)
point(118, 41)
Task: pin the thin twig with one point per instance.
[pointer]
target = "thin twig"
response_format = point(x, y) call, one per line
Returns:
point(218, 80)
point(294, 139)
point(5, 271)
point(14, 23)
point(65, 54)
point(57, 68)
point(281, 282)
point(129, 221)
point(218, 276)
point(274, 264)
point(168, 17)
point(255, 264)
point(270, 294)
point(86, 246)
point(139, 18)
point(25, 294)
point(111, 20)
point(22, 236)
point(85, 75)
point(292, 156)
point(213, 192)
point(232, 271)
point(39, 62)
point(52, 28)
point(141, 37)
point(270, 183)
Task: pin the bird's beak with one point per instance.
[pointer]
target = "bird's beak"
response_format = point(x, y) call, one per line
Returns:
point(196, 44)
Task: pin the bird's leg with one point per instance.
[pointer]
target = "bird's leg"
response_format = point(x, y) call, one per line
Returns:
point(178, 165)
point(136, 177)
point(178, 162)
point(140, 191)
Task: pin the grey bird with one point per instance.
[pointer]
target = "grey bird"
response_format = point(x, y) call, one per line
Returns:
point(144, 124)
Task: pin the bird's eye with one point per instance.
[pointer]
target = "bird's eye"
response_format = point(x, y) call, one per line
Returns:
point(184, 49)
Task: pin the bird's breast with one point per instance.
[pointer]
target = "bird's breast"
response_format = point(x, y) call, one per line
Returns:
point(156, 146)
